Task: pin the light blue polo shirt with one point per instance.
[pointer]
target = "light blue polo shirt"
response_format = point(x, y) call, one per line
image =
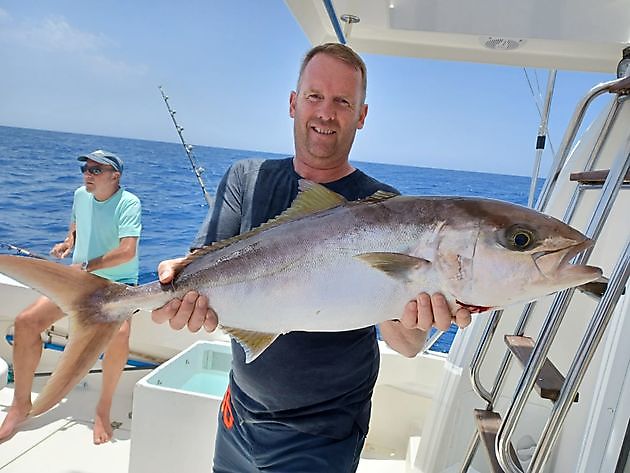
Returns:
point(101, 225)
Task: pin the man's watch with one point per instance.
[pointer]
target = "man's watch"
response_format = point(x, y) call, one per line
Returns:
point(84, 265)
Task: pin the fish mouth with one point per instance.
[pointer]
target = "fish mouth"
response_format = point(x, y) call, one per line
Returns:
point(549, 266)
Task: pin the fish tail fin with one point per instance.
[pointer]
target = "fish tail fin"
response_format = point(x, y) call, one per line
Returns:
point(72, 290)
point(89, 301)
point(85, 345)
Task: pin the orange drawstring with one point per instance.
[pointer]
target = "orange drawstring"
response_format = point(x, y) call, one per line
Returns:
point(226, 410)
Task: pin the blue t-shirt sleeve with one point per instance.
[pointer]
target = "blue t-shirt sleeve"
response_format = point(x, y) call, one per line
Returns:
point(130, 219)
point(73, 215)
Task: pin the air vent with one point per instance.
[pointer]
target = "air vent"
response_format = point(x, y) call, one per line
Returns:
point(501, 44)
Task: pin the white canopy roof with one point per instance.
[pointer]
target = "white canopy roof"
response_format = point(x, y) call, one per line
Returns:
point(587, 35)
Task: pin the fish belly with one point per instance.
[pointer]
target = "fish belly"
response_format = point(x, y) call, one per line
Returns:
point(345, 298)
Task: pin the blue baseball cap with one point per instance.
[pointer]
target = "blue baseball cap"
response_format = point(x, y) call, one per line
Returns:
point(104, 157)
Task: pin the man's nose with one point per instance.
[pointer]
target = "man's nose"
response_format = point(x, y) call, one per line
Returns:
point(326, 111)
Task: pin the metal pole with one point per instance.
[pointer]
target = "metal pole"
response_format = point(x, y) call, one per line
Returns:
point(542, 135)
point(555, 315)
point(569, 137)
point(585, 353)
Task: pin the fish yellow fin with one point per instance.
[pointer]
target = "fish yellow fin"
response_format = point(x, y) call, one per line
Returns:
point(254, 343)
point(395, 265)
point(312, 198)
point(378, 196)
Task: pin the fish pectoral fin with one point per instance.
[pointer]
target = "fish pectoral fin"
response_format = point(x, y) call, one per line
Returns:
point(395, 265)
point(254, 343)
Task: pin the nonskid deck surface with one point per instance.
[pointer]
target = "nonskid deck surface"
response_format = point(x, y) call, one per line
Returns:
point(60, 441)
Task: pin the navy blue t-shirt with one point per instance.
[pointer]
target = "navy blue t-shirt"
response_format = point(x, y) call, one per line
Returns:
point(316, 382)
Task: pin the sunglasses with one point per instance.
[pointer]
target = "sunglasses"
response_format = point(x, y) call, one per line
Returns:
point(94, 170)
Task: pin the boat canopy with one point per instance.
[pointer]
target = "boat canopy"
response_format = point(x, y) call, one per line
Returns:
point(581, 35)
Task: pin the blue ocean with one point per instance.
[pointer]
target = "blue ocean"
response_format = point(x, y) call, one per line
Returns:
point(39, 173)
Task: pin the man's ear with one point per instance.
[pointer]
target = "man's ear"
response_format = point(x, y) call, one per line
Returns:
point(292, 101)
point(363, 114)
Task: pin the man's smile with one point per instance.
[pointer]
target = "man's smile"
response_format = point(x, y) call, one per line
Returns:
point(323, 131)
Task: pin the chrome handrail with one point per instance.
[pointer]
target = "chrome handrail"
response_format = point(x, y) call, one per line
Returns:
point(569, 136)
point(614, 86)
point(554, 318)
point(480, 355)
point(592, 337)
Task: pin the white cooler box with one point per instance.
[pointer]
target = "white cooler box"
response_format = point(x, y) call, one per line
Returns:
point(175, 410)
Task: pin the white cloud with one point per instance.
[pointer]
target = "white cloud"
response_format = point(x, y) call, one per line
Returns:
point(54, 36)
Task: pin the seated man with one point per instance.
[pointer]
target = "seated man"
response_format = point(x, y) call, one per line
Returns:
point(104, 233)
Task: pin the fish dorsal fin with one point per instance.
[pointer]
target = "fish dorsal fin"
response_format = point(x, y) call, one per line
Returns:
point(254, 343)
point(378, 196)
point(311, 199)
point(395, 265)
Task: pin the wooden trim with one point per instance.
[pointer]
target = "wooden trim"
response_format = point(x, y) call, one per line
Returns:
point(594, 177)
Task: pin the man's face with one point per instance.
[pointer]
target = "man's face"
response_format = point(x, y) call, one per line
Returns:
point(327, 110)
point(97, 176)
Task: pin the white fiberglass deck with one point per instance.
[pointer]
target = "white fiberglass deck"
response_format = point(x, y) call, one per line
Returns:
point(60, 441)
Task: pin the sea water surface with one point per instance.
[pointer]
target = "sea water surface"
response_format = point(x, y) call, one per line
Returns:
point(39, 172)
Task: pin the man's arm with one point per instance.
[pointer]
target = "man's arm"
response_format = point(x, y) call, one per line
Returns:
point(223, 221)
point(407, 336)
point(124, 252)
point(63, 249)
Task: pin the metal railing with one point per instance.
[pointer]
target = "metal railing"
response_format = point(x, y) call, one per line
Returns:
point(550, 328)
point(616, 86)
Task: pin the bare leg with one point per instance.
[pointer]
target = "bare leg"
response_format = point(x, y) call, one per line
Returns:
point(27, 350)
point(114, 361)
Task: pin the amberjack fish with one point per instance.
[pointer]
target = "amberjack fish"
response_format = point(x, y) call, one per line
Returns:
point(326, 264)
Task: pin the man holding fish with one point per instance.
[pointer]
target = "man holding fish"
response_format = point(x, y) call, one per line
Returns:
point(301, 293)
point(304, 404)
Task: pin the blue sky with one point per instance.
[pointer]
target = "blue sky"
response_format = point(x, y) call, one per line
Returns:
point(228, 67)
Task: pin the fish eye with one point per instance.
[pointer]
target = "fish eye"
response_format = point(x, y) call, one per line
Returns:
point(520, 239)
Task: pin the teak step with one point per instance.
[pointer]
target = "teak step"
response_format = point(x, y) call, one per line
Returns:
point(549, 381)
point(488, 424)
point(594, 177)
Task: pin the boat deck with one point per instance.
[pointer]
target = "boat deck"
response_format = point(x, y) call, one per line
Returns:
point(45, 443)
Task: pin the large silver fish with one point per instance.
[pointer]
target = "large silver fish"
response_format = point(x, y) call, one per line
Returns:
point(328, 265)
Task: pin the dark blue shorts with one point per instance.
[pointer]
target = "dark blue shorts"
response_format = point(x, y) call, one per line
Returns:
point(244, 447)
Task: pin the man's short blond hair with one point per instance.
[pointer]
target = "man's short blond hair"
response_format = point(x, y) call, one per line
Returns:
point(343, 53)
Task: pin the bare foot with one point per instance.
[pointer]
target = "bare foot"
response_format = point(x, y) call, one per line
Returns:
point(102, 429)
point(15, 416)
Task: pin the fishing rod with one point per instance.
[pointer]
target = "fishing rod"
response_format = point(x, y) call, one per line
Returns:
point(198, 170)
point(22, 251)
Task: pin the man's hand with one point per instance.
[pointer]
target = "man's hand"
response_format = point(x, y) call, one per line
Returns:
point(61, 250)
point(191, 311)
point(432, 311)
point(407, 335)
